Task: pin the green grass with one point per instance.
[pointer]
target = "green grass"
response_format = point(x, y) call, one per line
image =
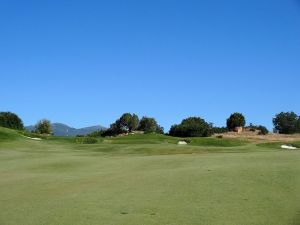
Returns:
point(277, 145)
point(7, 134)
point(215, 142)
point(147, 180)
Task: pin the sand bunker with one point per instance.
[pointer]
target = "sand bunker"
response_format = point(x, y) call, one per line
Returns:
point(288, 147)
point(35, 139)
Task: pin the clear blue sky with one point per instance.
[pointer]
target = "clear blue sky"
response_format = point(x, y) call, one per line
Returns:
point(86, 62)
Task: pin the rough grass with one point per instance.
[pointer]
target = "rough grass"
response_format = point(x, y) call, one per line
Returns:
point(146, 180)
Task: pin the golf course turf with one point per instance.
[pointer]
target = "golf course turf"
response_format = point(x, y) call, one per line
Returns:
point(147, 180)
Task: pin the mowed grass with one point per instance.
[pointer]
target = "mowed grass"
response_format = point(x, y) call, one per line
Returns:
point(147, 180)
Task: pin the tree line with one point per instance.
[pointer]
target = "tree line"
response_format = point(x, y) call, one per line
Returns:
point(128, 123)
point(284, 123)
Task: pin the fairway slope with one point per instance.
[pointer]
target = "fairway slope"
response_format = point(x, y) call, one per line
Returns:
point(146, 179)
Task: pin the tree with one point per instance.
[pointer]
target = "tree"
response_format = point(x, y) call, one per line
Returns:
point(43, 127)
point(11, 120)
point(192, 127)
point(128, 122)
point(150, 125)
point(112, 131)
point(235, 120)
point(134, 123)
point(287, 123)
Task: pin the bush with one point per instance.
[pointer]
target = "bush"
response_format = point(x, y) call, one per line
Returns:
point(149, 125)
point(11, 120)
point(262, 130)
point(252, 127)
point(95, 134)
point(79, 135)
point(188, 141)
point(31, 134)
point(235, 120)
point(192, 127)
point(219, 130)
point(287, 123)
point(112, 131)
point(86, 140)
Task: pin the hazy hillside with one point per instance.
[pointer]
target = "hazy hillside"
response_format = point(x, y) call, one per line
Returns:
point(61, 129)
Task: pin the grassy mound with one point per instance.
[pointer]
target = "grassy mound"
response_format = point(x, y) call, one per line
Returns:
point(216, 142)
point(164, 139)
point(141, 139)
point(8, 134)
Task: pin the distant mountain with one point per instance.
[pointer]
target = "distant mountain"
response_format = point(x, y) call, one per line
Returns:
point(60, 129)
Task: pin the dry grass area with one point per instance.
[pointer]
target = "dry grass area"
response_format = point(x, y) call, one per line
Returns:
point(255, 136)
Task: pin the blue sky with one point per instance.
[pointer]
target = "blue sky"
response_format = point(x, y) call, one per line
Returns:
point(86, 62)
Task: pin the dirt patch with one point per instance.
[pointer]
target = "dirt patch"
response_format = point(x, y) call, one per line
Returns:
point(268, 137)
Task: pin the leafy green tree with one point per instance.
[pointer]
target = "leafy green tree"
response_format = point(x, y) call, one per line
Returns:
point(236, 120)
point(128, 122)
point(192, 127)
point(150, 125)
point(160, 130)
point(134, 123)
point(287, 123)
point(43, 127)
point(11, 120)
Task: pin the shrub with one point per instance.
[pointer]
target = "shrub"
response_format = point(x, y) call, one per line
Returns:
point(287, 123)
point(188, 141)
point(149, 125)
point(112, 131)
point(192, 127)
point(11, 120)
point(262, 130)
point(219, 130)
point(235, 120)
point(98, 133)
point(31, 134)
point(252, 127)
point(86, 140)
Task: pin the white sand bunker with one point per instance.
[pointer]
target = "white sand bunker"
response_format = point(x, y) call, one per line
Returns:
point(288, 147)
point(182, 143)
point(35, 139)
